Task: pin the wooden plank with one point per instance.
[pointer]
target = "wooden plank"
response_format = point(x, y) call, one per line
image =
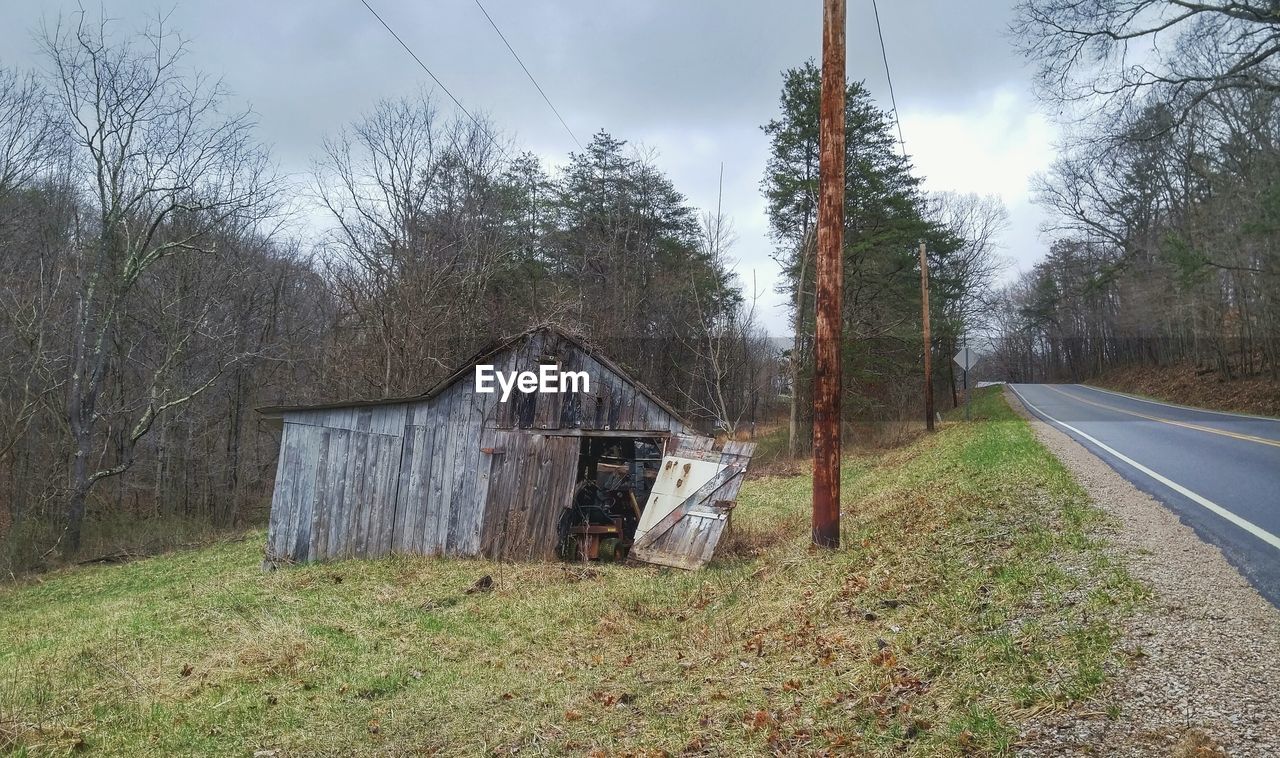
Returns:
point(428, 468)
point(355, 493)
point(516, 541)
point(615, 405)
point(704, 494)
point(571, 404)
point(446, 526)
point(313, 478)
point(468, 511)
point(534, 543)
point(302, 438)
point(357, 485)
point(562, 461)
point(304, 479)
point(281, 502)
point(502, 474)
point(610, 433)
point(406, 492)
point(382, 504)
point(329, 498)
point(411, 500)
point(488, 464)
point(384, 418)
point(436, 516)
point(626, 415)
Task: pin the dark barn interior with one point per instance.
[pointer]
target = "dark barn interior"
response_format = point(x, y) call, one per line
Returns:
point(615, 476)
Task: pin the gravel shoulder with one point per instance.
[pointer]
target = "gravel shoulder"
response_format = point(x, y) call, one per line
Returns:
point(1204, 672)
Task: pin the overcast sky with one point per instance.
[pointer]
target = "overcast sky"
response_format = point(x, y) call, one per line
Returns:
point(693, 79)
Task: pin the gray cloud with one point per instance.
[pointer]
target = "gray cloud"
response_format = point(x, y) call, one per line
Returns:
point(692, 79)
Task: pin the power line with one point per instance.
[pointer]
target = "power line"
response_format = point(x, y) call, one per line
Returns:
point(483, 129)
point(888, 77)
point(516, 55)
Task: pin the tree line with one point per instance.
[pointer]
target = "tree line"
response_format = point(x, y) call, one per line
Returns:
point(1165, 197)
point(155, 289)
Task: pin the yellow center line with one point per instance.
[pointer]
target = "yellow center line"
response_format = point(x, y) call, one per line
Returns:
point(1197, 427)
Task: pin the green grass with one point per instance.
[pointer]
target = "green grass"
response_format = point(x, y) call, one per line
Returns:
point(969, 593)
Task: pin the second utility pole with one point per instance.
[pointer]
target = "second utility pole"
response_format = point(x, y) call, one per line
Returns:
point(928, 345)
point(830, 282)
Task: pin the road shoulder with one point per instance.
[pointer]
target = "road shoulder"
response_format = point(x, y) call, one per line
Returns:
point(1204, 669)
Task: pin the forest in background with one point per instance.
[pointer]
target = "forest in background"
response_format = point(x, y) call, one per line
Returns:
point(1165, 197)
point(887, 216)
point(156, 287)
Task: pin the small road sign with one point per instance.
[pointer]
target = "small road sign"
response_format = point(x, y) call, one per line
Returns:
point(966, 359)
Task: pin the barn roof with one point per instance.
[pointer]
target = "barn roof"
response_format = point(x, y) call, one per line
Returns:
point(493, 348)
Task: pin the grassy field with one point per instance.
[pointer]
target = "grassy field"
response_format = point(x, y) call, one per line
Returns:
point(968, 595)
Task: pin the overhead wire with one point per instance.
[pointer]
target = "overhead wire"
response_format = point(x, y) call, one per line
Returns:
point(875, 7)
point(529, 74)
point(483, 129)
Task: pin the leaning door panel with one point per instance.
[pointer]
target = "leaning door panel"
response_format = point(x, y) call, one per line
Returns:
point(684, 532)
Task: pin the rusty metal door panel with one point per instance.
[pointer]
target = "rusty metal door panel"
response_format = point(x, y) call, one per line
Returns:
point(678, 478)
point(685, 535)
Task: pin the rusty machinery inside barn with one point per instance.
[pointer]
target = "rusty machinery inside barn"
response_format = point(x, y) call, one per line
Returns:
point(603, 471)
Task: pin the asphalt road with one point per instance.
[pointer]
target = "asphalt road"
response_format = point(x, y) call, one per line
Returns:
point(1220, 472)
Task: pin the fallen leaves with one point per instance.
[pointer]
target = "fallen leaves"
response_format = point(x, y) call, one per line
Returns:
point(610, 700)
point(884, 657)
point(757, 720)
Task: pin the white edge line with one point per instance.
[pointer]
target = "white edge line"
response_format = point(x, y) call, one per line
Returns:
point(1176, 405)
point(1204, 502)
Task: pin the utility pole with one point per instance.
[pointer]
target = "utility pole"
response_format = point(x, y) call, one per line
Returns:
point(830, 282)
point(928, 344)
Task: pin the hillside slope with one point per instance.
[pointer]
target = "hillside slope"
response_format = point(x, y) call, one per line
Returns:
point(1185, 385)
point(969, 596)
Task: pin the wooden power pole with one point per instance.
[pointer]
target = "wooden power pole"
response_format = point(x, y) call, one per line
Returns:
point(830, 282)
point(928, 344)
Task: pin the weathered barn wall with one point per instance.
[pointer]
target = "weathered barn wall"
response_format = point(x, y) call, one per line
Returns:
point(443, 476)
point(413, 477)
point(614, 403)
point(336, 483)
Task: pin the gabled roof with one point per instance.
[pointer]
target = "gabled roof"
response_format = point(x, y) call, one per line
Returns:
point(493, 348)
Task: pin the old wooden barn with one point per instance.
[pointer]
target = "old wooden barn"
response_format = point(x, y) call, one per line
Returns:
point(593, 472)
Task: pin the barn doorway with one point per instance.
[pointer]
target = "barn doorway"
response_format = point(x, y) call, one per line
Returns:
point(615, 476)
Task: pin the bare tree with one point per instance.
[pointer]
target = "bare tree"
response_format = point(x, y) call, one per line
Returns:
point(1109, 54)
point(27, 131)
point(732, 361)
point(415, 202)
point(160, 168)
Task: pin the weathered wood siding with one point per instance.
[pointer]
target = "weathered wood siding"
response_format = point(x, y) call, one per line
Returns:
point(443, 476)
point(530, 484)
point(336, 484)
point(412, 477)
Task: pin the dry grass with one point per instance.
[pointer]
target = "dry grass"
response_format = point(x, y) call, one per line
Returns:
point(966, 596)
point(1186, 385)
